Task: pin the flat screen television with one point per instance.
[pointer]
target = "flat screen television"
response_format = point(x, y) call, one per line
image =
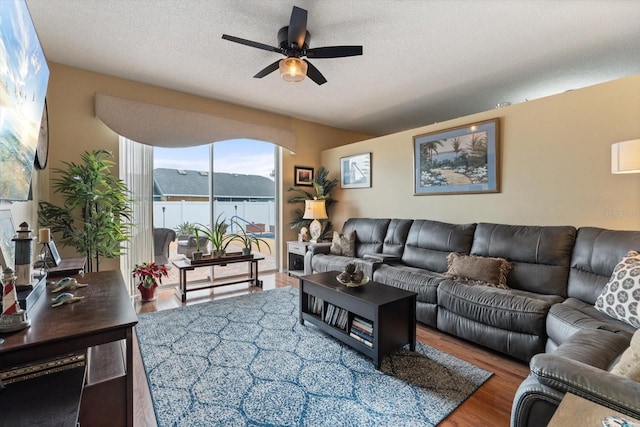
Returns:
point(24, 76)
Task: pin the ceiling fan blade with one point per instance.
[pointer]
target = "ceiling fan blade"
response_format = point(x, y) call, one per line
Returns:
point(314, 74)
point(334, 51)
point(267, 70)
point(251, 43)
point(297, 26)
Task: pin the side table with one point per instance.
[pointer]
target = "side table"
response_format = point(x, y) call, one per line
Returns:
point(574, 408)
point(295, 257)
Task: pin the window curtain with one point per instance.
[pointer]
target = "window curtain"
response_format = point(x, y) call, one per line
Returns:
point(136, 166)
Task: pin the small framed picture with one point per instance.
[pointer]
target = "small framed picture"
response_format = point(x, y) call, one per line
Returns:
point(355, 171)
point(53, 258)
point(303, 176)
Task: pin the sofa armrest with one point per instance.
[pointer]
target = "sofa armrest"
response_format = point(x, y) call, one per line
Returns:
point(383, 258)
point(319, 248)
point(566, 375)
point(313, 249)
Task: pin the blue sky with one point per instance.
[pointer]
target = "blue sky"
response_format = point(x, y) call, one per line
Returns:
point(243, 156)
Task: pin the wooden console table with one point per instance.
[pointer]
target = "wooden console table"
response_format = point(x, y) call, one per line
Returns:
point(100, 324)
point(185, 265)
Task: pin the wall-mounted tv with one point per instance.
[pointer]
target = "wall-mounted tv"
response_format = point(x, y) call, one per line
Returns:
point(24, 76)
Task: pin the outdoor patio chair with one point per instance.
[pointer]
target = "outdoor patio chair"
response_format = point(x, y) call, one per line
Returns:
point(187, 245)
point(162, 238)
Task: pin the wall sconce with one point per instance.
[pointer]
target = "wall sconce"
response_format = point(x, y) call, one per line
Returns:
point(625, 156)
point(315, 209)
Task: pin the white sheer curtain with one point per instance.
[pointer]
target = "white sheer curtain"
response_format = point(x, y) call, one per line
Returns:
point(136, 170)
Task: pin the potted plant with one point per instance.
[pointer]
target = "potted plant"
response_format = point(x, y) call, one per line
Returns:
point(322, 187)
point(185, 230)
point(148, 276)
point(247, 240)
point(216, 235)
point(94, 216)
point(197, 254)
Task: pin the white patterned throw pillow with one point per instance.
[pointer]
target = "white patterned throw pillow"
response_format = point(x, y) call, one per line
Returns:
point(621, 295)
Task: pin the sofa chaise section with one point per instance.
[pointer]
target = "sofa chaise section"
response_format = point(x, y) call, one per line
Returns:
point(596, 253)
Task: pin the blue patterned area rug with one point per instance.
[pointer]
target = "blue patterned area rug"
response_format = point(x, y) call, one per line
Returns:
point(247, 361)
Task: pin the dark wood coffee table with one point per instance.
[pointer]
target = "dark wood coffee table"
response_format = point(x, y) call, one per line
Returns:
point(390, 311)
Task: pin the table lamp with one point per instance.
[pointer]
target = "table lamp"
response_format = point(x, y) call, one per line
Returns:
point(315, 209)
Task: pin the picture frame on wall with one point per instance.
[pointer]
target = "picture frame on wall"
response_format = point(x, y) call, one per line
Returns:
point(355, 171)
point(303, 176)
point(460, 160)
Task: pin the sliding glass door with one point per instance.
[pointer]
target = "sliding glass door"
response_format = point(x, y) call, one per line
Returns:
point(231, 180)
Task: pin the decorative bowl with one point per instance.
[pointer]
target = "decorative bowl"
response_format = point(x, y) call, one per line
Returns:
point(364, 281)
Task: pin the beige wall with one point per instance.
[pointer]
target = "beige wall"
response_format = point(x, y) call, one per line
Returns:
point(555, 164)
point(74, 127)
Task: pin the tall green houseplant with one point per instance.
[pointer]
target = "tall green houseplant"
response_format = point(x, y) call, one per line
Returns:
point(95, 217)
point(322, 187)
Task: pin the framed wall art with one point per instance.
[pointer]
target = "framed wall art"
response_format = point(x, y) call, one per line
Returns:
point(460, 160)
point(355, 171)
point(303, 176)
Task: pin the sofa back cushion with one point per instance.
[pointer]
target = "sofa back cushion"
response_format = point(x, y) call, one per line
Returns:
point(396, 237)
point(596, 253)
point(540, 256)
point(429, 243)
point(370, 234)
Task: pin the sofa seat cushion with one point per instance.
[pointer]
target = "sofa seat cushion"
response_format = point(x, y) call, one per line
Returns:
point(508, 309)
point(423, 282)
point(574, 315)
point(593, 347)
point(321, 263)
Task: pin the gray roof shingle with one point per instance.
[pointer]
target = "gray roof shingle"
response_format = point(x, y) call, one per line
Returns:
point(174, 182)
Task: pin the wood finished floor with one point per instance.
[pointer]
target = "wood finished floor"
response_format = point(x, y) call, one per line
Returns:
point(489, 406)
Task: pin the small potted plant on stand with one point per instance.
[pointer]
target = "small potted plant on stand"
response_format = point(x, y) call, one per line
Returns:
point(149, 275)
point(216, 234)
point(197, 254)
point(248, 240)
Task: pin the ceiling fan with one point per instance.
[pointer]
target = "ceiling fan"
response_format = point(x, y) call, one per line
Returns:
point(293, 42)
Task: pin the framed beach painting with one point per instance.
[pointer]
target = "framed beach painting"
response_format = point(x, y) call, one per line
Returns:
point(458, 161)
point(355, 171)
point(303, 176)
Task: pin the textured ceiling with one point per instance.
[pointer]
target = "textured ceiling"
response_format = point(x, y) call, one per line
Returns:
point(423, 62)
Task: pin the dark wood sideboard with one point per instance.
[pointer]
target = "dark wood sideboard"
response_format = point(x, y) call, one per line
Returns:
point(100, 325)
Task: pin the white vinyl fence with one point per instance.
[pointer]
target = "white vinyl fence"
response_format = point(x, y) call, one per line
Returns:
point(170, 214)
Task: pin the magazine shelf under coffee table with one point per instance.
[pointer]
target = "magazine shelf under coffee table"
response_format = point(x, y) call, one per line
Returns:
point(389, 313)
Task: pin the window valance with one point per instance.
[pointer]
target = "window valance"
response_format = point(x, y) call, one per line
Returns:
point(164, 126)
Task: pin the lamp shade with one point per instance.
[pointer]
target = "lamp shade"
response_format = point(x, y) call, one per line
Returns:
point(315, 209)
point(293, 69)
point(625, 156)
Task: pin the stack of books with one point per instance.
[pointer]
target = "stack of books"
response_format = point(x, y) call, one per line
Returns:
point(315, 305)
point(362, 330)
point(336, 316)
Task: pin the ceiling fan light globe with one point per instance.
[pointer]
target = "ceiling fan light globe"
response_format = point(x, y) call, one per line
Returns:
point(293, 69)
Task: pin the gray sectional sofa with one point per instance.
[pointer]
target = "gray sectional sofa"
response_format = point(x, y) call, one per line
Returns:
point(545, 317)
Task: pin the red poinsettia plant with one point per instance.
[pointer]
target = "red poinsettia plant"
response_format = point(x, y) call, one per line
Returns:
point(149, 274)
